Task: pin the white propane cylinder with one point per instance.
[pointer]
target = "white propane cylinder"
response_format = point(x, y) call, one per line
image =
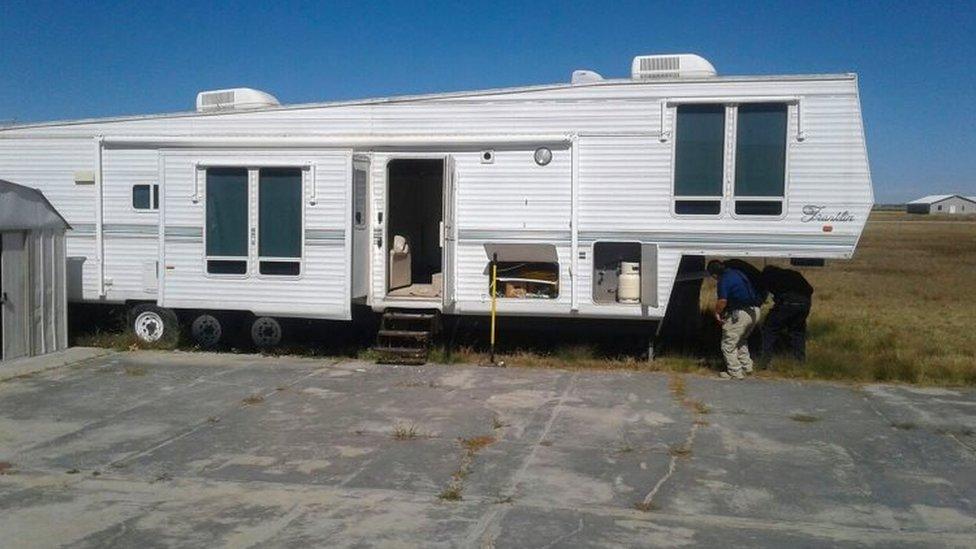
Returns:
point(628, 285)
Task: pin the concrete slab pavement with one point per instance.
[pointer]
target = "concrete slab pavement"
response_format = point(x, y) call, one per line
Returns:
point(195, 449)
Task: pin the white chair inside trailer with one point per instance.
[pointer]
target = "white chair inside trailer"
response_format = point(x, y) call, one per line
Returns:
point(400, 263)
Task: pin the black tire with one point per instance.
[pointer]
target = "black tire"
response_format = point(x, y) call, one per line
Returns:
point(155, 326)
point(266, 332)
point(208, 330)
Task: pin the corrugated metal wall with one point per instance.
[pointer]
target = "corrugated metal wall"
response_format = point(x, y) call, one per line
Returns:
point(35, 309)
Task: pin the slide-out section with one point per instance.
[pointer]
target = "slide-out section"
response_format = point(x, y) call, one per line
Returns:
point(268, 233)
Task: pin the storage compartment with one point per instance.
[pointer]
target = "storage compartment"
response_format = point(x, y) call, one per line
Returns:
point(617, 272)
point(524, 271)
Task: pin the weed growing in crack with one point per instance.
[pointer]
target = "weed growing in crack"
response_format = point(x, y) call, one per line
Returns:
point(470, 446)
point(678, 388)
point(625, 448)
point(451, 493)
point(476, 444)
point(700, 407)
point(402, 431)
point(253, 399)
point(645, 506)
point(680, 450)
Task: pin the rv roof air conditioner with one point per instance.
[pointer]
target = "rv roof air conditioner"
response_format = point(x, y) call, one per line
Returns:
point(234, 99)
point(683, 65)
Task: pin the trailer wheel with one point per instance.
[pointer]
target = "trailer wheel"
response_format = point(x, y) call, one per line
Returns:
point(265, 332)
point(207, 330)
point(154, 325)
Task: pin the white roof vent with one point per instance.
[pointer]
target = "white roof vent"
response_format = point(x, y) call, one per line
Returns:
point(585, 77)
point(233, 99)
point(684, 65)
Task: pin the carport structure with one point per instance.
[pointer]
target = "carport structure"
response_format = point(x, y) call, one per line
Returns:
point(33, 291)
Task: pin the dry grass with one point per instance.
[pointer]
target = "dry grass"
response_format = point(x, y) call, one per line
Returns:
point(476, 444)
point(680, 451)
point(124, 341)
point(573, 357)
point(470, 448)
point(253, 399)
point(901, 310)
point(403, 431)
point(645, 506)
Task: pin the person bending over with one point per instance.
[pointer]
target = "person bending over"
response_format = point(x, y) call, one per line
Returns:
point(737, 311)
point(792, 296)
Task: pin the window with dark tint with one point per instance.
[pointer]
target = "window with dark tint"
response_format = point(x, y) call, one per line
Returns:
point(224, 266)
point(760, 157)
point(141, 197)
point(699, 157)
point(758, 207)
point(697, 207)
point(282, 268)
point(280, 220)
point(226, 229)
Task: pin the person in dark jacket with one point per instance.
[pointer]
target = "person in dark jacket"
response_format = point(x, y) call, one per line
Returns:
point(792, 296)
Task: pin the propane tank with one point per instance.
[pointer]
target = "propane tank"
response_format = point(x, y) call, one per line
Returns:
point(628, 284)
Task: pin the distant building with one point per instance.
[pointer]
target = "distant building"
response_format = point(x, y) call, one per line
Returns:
point(952, 204)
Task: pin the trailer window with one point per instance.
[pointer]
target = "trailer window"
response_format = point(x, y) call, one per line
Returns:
point(226, 231)
point(760, 159)
point(145, 196)
point(280, 221)
point(699, 159)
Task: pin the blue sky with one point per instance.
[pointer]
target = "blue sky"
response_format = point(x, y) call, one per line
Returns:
point(916, 61)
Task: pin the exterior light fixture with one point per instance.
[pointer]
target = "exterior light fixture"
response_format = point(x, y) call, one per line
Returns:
point(543, 156)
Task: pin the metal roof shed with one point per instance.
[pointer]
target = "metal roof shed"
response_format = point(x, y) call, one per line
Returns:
point(33, 292)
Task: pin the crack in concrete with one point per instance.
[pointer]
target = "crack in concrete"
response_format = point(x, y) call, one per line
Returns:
point(678, 394)
point(485, 531)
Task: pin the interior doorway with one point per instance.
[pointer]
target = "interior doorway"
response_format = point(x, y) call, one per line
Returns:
point(414, 234)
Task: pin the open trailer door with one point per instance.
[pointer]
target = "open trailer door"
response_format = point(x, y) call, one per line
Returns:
point(449, 236)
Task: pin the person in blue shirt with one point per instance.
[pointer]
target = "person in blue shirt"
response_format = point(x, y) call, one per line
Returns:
point(737, 311)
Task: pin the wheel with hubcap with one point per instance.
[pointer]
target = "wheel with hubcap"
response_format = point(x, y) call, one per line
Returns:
point(206, 330)
point(154, 325)
point(265, 332)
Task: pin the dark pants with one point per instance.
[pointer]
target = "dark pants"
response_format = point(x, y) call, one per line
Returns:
point(789, 319)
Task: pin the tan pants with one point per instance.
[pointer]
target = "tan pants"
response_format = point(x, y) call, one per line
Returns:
point(736, 329)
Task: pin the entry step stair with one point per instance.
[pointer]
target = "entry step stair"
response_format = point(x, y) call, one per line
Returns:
point(405, 335)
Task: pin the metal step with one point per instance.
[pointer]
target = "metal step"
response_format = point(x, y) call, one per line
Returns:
point(401, 350)
point(411, 334)
point(400, 315)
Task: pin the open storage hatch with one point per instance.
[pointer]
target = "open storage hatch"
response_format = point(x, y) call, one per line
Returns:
point(625, 273)
point(525, 271)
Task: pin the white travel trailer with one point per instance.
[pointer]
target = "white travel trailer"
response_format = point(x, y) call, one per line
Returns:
point(588, 195)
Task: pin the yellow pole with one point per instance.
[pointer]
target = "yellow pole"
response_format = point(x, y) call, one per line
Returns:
point(494, 292)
